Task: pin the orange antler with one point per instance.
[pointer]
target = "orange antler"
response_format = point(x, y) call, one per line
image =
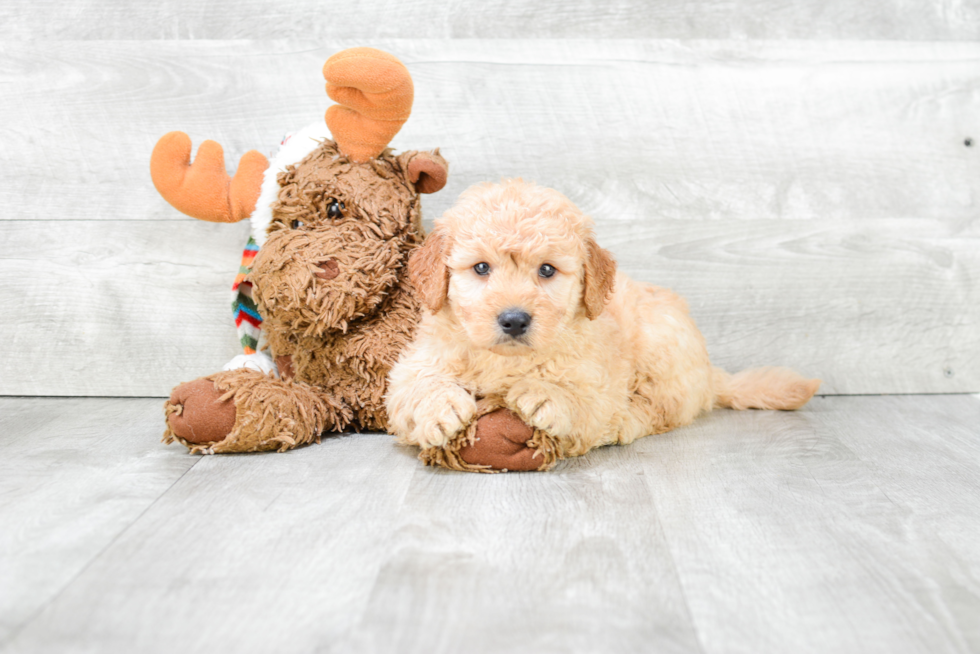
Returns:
point(374, 92)
point(203, 189)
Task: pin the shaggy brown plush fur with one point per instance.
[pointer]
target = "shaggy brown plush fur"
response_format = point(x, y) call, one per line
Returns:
point(336, 302)
point(270, 414)
point(345, 329)
point(367, 247)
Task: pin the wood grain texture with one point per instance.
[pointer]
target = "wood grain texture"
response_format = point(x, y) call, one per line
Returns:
point(528, 563)
point(814, 201)
point(131, 308)
point(849, 526)
point(938, 489)
point(74, 475)
point(866, 307)
point(255, 19)
point(261, 553)
point(631, 130)
point(832, 522)
point(124, 308)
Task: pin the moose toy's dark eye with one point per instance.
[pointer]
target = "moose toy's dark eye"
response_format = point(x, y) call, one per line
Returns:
point(335, 209)
point(482, 268)
point(296, 224)
point(546, 270)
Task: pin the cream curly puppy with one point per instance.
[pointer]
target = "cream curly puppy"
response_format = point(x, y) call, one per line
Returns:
point(525, 307)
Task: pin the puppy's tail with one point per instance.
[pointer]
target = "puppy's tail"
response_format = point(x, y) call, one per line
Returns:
point(762, 388)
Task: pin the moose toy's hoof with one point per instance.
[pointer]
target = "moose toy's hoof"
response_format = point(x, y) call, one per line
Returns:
point(501, 442)
point(196, 413)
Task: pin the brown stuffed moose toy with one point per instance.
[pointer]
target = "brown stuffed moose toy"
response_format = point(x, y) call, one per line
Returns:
point(337, 221)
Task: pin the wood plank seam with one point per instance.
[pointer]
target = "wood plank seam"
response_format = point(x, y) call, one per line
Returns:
point(40, 610)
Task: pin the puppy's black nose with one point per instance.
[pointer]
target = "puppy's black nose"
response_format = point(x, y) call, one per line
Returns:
point(514, 323)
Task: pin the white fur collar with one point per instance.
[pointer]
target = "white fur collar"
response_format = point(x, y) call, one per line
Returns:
point(294, 147)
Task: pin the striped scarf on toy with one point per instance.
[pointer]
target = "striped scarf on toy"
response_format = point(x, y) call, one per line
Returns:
point(247, 318)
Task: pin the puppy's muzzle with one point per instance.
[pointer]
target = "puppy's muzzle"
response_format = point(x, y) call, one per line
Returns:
point(514, 322)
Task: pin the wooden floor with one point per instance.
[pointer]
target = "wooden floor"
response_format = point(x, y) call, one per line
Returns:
point(851, 526)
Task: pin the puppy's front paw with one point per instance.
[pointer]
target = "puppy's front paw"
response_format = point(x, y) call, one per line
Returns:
point(445, 413)
point(543, 406)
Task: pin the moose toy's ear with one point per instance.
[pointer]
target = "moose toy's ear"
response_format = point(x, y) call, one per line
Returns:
point(428, 271)
point(600, 277)
point(427, 170)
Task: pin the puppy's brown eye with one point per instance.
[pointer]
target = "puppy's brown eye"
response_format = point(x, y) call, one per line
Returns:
point(546, 270)
point(335, 209)
point(296, 224)
point(482, 268)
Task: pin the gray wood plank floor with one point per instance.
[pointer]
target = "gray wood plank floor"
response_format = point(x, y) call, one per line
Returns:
point(850, 526)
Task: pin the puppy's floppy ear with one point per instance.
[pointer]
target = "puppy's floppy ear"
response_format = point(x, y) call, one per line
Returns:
point(428, 271)
point(600, 277)
point(427, 170)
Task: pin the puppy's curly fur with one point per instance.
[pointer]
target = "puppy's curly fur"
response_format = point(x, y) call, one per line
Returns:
point(604, 360)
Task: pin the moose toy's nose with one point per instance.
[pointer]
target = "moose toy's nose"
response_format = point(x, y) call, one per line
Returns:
point(328, 269)
point(514, 323)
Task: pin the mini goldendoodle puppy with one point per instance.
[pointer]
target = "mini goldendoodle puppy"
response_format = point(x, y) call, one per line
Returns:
point(526, 310)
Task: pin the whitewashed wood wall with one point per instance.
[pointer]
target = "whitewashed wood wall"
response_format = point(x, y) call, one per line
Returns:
point(800, 171)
